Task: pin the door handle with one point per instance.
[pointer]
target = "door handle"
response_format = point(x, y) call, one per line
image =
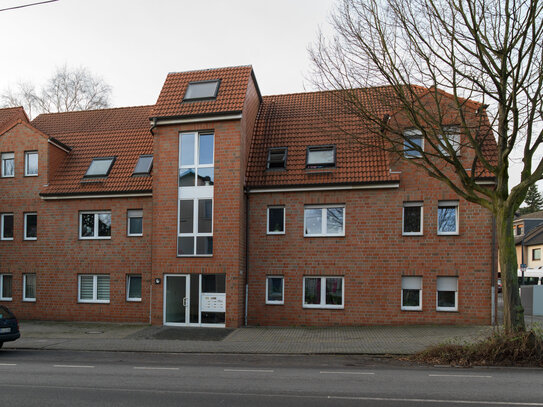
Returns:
point(184, 301)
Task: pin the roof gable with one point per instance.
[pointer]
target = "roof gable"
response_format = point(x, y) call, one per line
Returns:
point(10, 116)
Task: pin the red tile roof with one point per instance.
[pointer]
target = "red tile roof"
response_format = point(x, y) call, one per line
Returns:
point(297, 121)
point(10, 115)
point(230, 97)
point(122, 132)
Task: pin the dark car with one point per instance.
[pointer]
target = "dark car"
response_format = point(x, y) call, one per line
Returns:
point(9, 328)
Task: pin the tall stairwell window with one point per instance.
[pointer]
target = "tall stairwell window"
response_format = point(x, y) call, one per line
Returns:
point(195, 203)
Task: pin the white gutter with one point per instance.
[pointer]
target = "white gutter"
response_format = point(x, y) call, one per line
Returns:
point(485, 182)
point(57, 146)
point(329, 188)
point(199, 119)
point(47, 198)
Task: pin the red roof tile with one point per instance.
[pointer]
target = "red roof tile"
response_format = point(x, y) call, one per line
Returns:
point(230, 96)
point(123, 133)
point(297, 121)
point(10, 115)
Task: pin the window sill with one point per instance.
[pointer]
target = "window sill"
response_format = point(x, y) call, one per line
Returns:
point(447, 309)
point(448, 234)
point(31, 175)
point(94, 238)
point(275, 303)
point(412, 234)
point(92, 302)
point(29, 300)
point(6, 239)
point(323, 306)
point(275, 233)
point(343, 235)
point(134, 235)
point(7, 176)
point(6, 299)
point(30, 239)
point(416, 309)
point(194, 255)
point(133, 300)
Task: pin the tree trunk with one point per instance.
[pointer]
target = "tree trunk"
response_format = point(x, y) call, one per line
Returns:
point(513, 312)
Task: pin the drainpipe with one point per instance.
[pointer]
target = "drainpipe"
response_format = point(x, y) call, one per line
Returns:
point(246, 254)
point(493, 267)
point(153, 126)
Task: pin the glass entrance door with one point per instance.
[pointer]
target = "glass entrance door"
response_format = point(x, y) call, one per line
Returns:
point(176, 300)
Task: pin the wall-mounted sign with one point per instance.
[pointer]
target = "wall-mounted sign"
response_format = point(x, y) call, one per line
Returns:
point(213, 302)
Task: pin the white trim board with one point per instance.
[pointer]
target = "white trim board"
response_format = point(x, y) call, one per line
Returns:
point(325, 188)
point(96, 196)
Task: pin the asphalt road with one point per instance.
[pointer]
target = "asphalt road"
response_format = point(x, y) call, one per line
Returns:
point(62, 378)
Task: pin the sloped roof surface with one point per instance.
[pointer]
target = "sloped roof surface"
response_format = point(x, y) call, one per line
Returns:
point(230, 96)
point(534, 237)
point(297, 121)
point(533, 215)
point(122, 133)
point(9, 115)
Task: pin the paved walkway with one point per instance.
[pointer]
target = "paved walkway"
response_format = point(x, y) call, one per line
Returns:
point(143, 338)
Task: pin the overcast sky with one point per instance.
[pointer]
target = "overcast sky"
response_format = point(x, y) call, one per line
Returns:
point(133, 44)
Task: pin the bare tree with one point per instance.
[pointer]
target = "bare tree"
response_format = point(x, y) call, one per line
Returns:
point(466, 76)
point(67, 90)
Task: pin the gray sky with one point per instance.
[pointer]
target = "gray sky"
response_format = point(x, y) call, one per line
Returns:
point(133, 44)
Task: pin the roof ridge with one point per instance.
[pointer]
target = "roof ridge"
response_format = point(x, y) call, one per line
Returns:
point(212, 69)
point(93, 110)
point(327, 91)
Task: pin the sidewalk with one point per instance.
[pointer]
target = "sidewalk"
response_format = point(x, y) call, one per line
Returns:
point(374, 340)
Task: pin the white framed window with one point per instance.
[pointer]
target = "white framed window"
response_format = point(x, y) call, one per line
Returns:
point(447, 218)
point(95, 225)
point(31, 163)
point(31, 226)
point(133, 287)
point(93, 288)
point(275, 290)
point(322, 221)
point(8, 165)
point(412, 293)
point(29, 287)
point(6, 226)
point(323, 292)
point(134, 222)
point(413, 143)
point(276, 220)
point(196, 178)
point(452, 135)
point(536, 254)
point(5, 287)
point(412, 219)
point(447, 294)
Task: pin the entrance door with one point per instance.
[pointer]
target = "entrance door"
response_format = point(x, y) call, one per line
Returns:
point(176, 300)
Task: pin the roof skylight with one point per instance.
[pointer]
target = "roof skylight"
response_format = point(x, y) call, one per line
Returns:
point(100, 167)
point(202, 90)
point(144, 165)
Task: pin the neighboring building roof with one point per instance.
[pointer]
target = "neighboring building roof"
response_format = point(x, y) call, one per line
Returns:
point(230, 97)
point(533, 215)
point(122, 133)
point(534, 237)
point(10, 115)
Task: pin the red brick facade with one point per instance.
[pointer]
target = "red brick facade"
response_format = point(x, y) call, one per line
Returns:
point(372, 256)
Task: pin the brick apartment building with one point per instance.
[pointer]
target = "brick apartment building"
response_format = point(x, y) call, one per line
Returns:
point(218, 207)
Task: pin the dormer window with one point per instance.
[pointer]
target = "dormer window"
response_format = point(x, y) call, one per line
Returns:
point(100, 167)
point(144, 165)
point(277, 158)
point(321, 157)
point(202, 90)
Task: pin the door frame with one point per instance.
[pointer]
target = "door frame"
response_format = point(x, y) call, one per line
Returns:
point(187, 296)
